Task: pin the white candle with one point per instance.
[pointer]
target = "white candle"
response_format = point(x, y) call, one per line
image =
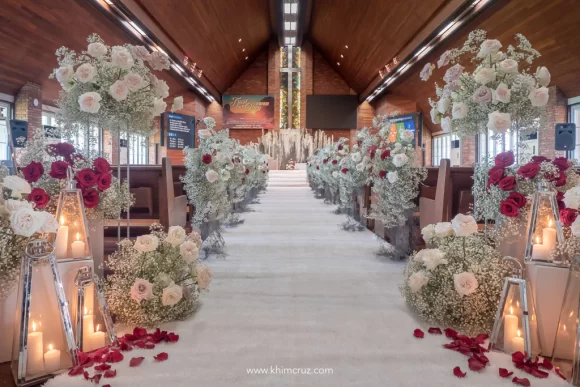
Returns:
point(52, 359)
point(61, 242)
point(518, 343)
point(549, 236)
point(78, 248)
point(510, 329)
point(540, 252)
point(565, 347)
point(88, 330)
point(97, 339)
point(534, 335)
point(34, 360)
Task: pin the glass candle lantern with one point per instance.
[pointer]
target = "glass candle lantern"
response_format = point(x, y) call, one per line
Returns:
point(515, 326)
point(43, 342)
point(544, 230)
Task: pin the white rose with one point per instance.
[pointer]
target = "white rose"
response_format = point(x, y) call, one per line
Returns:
point(501, 94)
point(64, 74)
point(134, 81)
point(175, 235)
point(356, 157)
point(12, 205)
point(575, 227)
point(189, 251)
point(120, 57)
point(392, 177)
point(203, 276)
point(426, 72)
point(443, 59)
point(433, 258)
point(49, 223)
point(417, 281)
point(419, 256)
point(90, 102)
point(159, 106)
point(499, 122)
point(25, 222)
point(141, 52)
point(211, 176)
point(119, 90)
point(171, 295)
point(572, 198)
point(443, 104)
point(464, 225)
point(485, 75)
point(97, 50)
point(508, 66)
point(225, 175)
point(543, 76)
point(229, 165)
point(465, 283)
point(453, 73)
point(195, 237)
point(360, 167)
point(443, 229)
point(146, 243)
point(161, 89)
point(407, 135)
point(446, 124)
point(428, 232)
point(435, 116)
point(459, 110)
point(141, 290)
point(17, 185)
point(86, 73)
point(400, 160)
point(177, 104)
point(489, 47)
point(539, 96)
point(159, 61)
point(482, 95)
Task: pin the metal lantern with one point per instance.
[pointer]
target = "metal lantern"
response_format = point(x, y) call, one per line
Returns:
point(544, 229)
point(515, 327)
point(72, 238)
point(43, 342)
point(566, 353)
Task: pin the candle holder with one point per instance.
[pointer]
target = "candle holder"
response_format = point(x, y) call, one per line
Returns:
point(566, 353)
point(89, 338)
point(544, 228)
point(515, 327)
point(72, 239)
point(30, 363)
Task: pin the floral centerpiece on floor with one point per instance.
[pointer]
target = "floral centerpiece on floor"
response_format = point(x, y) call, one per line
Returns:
point(456, 283)
point(501, 94)
point(157, 278)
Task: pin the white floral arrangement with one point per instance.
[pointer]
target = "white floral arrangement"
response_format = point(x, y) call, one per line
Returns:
point(501, 94)
point(19, 221)
point(291, 165)
point(111, 87)
point(324, 167)
point(458, 280)
point(157, 278)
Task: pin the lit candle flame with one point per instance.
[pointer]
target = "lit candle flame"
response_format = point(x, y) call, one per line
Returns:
point(86, 311)
point(511, 310)
point(518, 303)
point(78, 236)
point(62, 220)
point(550, 223)
point(571, 313)
point(538, 240)
point(50, 347)
point(98, 328)
point(33, 326)
point(564, 327)
point(519, 333)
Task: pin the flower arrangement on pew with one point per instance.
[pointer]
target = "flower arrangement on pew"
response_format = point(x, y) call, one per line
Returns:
point(324, 168)
point(157, 278)
point(501, 93)
point(457, 282)
point(19, 220)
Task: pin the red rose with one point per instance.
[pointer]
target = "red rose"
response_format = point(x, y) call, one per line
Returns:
point(317, 168)
point(382, 174)
point(561, 180)
point(33, 171)
point(340, 147)
point(568, 216)
point(529, 171)
point(495, 174)
point(61, 149)
point(206, 158)
point(507, 183)
point(539, 159)
point(39, 197)
point(104, 181)
point(560, 196)
point(87, 178)
point(509, 208)
point(101, 165)
point(504, 159)
point(561, 205)
point(91, 198)
point(324, 161)
point(344, 170)
point(386, 153)
point(334, 162)
point(58, 169)
point(518, 198)
point(247, 171)
point(372, 151)
point(561, 163)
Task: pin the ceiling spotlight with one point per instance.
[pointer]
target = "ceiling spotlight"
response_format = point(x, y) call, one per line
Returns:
point(243, 49)
point(346, 46)
point(342, 56)
point(246, 58)
point(240, 40)
point(338, 63)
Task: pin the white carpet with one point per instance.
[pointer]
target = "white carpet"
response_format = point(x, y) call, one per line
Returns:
point(295, 291)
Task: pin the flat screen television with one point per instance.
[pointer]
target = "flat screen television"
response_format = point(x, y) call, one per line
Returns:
point(331, 111)
point(412, 122)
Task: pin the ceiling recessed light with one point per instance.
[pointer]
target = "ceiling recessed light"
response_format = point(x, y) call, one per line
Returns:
point(338, 63)
point(342, 56)
point(246, 58)
point(346, 46)
point(243, 49)
point(240, 40)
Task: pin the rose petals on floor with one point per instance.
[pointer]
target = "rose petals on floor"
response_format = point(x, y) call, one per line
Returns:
point(505, 373)
point(419, 333)
point(457, 372)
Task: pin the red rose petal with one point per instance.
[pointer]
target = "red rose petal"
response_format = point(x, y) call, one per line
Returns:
point(139, 332)
point(475, 365)
point(539, 373)
point(522, 382)
point(78, 370)
point(451, 333)
point(481, 358)
point(96, 379)
point(140, 344)
point(435, 331)
point(480, 339)
point(505, 373)
point(102, 367)
point(518, 357)
point(418, 333)
point(557, 369)
point(106, 385)
point(114, 357)
point(457, 372)
point(173, 338)
point(124, 346)
point(110, 373)
point(89, 363)
point(149, 345)
point(547, 364)
point(136, 361)
point(161, 357)
point(83, 357)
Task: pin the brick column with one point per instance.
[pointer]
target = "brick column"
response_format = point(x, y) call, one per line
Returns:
point(305, 79)
point(467, 151)
point(556, 113)
point(25, 109)
point(274, 79)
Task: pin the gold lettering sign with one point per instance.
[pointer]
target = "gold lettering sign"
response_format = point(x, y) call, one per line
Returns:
point(246, 105)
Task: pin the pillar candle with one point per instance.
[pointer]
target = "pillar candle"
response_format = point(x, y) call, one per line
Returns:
point(61, 242)
point(52, 359)
point(97, 339)
point(34, 360)
point(88, 330)
point(549, 237)
point(510, 329)
point(517, 343)
point(78, 248)
point(540, 251)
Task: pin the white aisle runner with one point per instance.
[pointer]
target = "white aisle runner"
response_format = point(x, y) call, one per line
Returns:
point(297, 292)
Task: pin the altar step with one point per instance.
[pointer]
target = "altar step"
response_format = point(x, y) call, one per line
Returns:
point(293, 178)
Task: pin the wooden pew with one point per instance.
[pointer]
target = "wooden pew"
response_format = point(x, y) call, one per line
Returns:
point(172, 209)
point(437, 208)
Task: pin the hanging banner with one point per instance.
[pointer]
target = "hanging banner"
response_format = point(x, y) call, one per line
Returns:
point(248, 111)
point(180, 130)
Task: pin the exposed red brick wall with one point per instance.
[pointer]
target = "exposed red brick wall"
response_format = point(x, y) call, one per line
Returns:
point(324, 79)
point(467, 151)
point(556, 113)
point(306, 84)
point(24, 108)
point(254, 80)
point(274, 79)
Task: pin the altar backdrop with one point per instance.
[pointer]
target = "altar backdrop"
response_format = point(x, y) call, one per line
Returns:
point(248, 111)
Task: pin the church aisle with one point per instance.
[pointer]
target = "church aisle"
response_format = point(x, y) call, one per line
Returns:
point(297, 292)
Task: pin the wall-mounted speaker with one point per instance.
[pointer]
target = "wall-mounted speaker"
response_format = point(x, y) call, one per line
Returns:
point(19, 133)
point(565, 136)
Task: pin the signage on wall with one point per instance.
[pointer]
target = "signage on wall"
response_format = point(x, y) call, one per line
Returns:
point(180, 131)
point(412, 122)
point(248, 111)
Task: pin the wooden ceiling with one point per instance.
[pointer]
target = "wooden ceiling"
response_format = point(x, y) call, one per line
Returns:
point(374, 31)
point(208, 32)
